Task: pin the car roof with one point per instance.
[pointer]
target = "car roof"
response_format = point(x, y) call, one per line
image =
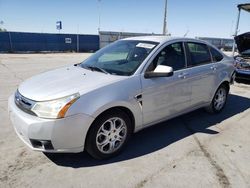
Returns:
point(162, 39)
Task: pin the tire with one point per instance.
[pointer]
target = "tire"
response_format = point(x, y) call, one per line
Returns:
point(108, 135)
point(219, 100)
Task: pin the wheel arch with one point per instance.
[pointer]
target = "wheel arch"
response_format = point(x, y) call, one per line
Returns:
point(226, 84)
point(131, 108)
point(126, 110)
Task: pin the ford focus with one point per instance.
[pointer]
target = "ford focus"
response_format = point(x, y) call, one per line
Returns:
point(127, 86)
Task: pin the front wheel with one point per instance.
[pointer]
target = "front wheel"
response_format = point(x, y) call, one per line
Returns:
point(219, 100)
point(108, 134)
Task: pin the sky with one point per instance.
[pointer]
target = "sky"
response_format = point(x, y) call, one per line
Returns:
point(197, 18)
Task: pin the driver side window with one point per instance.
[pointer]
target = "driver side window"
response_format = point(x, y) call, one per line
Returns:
point(172, 56)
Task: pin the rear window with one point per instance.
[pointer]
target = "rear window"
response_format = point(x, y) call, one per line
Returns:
point(199, 54)
point(216, 55)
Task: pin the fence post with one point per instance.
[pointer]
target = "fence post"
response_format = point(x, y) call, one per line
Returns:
point(10, 40)
point(77, 40)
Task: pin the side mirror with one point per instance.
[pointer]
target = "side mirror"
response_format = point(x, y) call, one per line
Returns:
point(160, 71)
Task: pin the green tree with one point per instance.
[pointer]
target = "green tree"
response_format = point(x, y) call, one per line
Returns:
point(2, 29)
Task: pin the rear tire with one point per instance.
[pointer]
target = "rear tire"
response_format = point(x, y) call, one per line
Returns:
point(109, 134)
point(219, 100)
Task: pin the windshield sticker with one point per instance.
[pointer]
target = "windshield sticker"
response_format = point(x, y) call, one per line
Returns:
point(145, 45)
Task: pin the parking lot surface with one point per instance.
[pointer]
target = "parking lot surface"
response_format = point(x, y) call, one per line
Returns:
point(193, 150)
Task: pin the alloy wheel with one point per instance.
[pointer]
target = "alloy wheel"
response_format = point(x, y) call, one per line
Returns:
point(111, 135)
point(220, 99)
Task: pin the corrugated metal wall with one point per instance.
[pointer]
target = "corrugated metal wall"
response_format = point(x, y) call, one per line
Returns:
point(38, 42)
point(226, 44)
point(107, 37)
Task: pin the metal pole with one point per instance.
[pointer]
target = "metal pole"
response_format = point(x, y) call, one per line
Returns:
point(99, 19)
point(236, 29)
point(165, 19)
point(77, 39)
point(11, 47)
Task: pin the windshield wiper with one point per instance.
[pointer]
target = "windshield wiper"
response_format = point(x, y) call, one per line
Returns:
point(93, 68)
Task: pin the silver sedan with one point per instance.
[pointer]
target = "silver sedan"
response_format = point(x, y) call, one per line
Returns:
point(129, 85)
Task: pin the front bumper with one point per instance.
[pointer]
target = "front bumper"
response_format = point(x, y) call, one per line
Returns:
point(65, 135)
point(242, 74)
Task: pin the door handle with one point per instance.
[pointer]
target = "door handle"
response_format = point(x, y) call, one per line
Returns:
point(183, 75)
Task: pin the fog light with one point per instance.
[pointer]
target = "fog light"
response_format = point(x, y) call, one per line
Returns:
point(42, 144)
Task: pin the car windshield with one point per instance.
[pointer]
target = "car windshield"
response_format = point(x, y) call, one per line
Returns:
point(120, 58)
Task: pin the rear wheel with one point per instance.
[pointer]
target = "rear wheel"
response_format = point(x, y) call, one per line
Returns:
point(219, 100)
point(108, 134)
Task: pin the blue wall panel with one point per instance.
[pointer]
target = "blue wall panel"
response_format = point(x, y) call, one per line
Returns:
point(4, 41)
point(37, 42)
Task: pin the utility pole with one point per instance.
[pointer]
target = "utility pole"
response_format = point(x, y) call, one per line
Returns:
point(99, 21)
point(165, 31)
point(236, 29)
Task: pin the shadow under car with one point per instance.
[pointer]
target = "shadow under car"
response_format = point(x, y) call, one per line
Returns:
point(159, 136)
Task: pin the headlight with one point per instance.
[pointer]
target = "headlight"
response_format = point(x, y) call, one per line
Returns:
point(55, 108)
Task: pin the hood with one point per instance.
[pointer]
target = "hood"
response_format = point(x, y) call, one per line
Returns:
point(63, 82)
point(243, 42)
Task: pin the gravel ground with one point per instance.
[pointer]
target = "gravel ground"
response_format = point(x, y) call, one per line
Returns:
point(194, 150)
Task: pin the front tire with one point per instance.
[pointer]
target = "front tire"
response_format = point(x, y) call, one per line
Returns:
point(108, 134)
point(219, 100)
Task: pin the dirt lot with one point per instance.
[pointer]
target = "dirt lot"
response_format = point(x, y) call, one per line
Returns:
point(194, 150)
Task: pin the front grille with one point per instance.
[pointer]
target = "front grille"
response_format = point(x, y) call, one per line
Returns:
point(23, 103)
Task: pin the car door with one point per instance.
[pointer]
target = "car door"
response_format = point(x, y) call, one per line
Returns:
point(164, 97)
point(202, 72)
